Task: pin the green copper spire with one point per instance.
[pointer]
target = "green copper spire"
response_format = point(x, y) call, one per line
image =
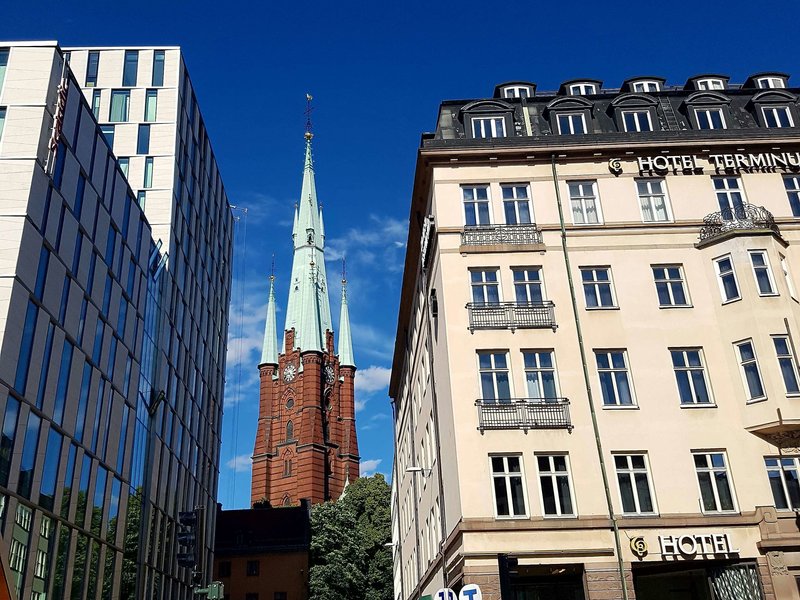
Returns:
point(269, 352)
point(308, 310)
point(345, 349)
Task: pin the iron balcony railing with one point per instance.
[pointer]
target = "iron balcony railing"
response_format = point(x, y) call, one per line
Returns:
point(511, 315)
point(492, 235)
point(744, 216)
point(524, 413)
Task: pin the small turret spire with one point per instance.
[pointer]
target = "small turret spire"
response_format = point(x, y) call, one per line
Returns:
point(269, 352)
point(345, 341)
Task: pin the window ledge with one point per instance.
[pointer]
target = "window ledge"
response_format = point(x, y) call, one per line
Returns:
point(560, 517)
point(620, 407)
point(701, 405)
point(757, 400)
point(640, 515)
point(669, 306)
point(731, 301)
point(722, 513)
point(793, 395)
point(775, 295)
point(593, 308)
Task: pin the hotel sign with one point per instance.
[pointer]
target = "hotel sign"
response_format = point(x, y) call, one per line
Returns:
point(697, 164)
point(691, 546)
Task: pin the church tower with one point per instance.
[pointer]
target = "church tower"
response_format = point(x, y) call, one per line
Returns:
point(306, 444)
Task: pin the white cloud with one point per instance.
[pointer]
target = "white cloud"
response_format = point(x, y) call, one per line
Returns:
point(368, 466)
point(241, 463)
point(381, 238)
point(372, 379)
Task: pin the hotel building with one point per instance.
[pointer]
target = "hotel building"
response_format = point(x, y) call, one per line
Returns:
point(114, 318)
point(595, 375)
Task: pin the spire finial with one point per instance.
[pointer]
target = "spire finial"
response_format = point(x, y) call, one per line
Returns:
point(309, 108)
point(344, 271)
point(272, 269)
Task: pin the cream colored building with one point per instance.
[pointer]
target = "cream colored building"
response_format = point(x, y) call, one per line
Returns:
point(595, 373)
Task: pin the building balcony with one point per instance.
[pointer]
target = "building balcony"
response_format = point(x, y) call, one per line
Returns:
point(512, 315)
point(524, 413)
point(501, 238)
point(744, 219)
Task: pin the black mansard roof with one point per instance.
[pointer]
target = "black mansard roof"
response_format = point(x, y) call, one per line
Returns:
point(672, 110)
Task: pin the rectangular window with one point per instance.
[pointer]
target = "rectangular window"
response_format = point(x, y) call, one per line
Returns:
point(253, 568)
point(716, 492)
point(770, 82)
point(516, 204)
point(108, 134)
point(612, 369)
point(646, 86)
point(555, 486)
point(710, 84)
point(96, 95)
point(690, 375)
point(634, 484)
point(726, 277)
point(151, 105)
point(540, 374)
point(508, 486)
point(637, 120)
point(670, 285)
point(143, 140)
point(130, 68)
point(158, 67)
point(777, 116)
point(63, 381)
point(762, 273)
point(28, 461)
point(528, 285)
point(52, 457)
point(120, 106)
point(730, 197)
point(493, 371)
point(750, 371)
point(653, 200)
point(584, 202)
point(25, 348)
point(476, 205)
point(148, 172)
point(91, 69)
point(571, 123)
point(7, 438)
point(786, 362)
point(784, 479)
point(124, 165)
point(141, 198)
point(710, 118)
point(597, 287)
point(488, 127)
point(582, 89)
point(792, 185)
point(485, 287)
point(4, 52)
point(2, 121)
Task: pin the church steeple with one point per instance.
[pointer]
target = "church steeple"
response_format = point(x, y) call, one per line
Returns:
point(269, 352)
point(345, 342)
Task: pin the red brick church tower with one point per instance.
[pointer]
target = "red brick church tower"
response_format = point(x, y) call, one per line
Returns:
point(306, 444)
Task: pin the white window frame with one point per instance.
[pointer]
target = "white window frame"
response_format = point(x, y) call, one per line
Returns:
point(669, 282)
point(582, 89)
point(787, 357)
point(517, 91)
point(613, 370)
point(646, 85)
point(650, 195)
point(695, 402)
point(494, 370)
point(637, 113)
point(787, 275)
point(488, 124)
point(571, 119)
point(538, 370)
point(791, 184)
point(710, 110)
point(774, 110)
point(484, 284)
point(594, 282)
point(742, 363)
point(475, 201)
point(553, 475)
point(528, 282)
point(712, 471)
point(720, 283)
point(631, 471)
point(765, 83)
point(781, 469)
point(731, 187)
point(517, 200)
point(506, 475)
point(710, 83)
point(582, 199)
point(765, 267)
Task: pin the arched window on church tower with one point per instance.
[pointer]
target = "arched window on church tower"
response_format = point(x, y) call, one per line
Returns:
point(289, 431)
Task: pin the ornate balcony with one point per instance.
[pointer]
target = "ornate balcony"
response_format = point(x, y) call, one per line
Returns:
point(524, 413)
point(744, 218)
point(500, 235)
point(512, 315)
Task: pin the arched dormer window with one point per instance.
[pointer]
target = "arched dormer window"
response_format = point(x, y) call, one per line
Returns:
point(635, 112)
point(708, 110)
point(581, 87)
point(289, 431)
point(775, 108)
point(488, 119)
point(569, 115)
point(707, 82)
point(767, 81)
point(515, 89)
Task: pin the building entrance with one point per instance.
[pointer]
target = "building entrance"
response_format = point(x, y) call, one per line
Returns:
point(547, 583)
point(697, 582)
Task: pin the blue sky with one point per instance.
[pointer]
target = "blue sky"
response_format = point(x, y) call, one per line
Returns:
point(378, 71)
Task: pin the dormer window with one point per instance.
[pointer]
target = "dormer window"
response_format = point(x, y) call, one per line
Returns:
point(646, 85)
point(571, 123)
point(489, 126)
point(637, 120)
point(775, 108)
point(710, 118)
point(710, 83)
point(777, 116)
point(708, 110)
point(517, 91)
point(582, 89)
point(770, 82)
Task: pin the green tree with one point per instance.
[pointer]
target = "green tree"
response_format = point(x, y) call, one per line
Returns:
point(349, 558)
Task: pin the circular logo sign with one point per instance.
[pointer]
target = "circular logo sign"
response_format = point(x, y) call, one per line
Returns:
point(639, 547)
point(445, 594)
point(470, 592)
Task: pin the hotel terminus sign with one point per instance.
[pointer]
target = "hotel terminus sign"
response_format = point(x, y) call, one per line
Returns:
point(697, 164)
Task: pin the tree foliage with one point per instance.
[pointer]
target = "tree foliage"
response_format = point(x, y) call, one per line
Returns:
point(349, 558)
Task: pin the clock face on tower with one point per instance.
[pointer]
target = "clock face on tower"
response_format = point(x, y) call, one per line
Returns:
point(289, 372)
point(330, 375)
